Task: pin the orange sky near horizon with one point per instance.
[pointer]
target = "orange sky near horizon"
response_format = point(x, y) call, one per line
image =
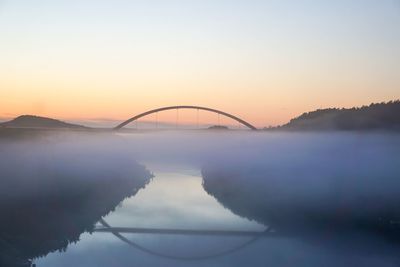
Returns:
point(265, 63)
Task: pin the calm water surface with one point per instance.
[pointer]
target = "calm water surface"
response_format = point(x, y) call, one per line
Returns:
point(174, 199)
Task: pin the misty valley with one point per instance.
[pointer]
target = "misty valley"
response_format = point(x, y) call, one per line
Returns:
point(226, 133)
point(71, 198)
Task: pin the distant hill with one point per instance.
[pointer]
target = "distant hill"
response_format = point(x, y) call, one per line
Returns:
point(379, 116)
point(218, 127)
point(30, 121)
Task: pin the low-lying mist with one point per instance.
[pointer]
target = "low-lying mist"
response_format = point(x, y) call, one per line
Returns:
point(333, 181)
point(52, 190)
point(308, 165)
point(294, 182)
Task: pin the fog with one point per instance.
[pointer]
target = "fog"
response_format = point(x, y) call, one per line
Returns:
point(321, 192)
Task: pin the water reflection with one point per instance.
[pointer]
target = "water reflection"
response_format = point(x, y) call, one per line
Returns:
point(338, 202)
point(183, 210)
point(154, 208)
point(172, 219)
point(323, 196)
point(47, 200)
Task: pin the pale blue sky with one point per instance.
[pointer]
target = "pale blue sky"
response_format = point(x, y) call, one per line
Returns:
point(278, 57)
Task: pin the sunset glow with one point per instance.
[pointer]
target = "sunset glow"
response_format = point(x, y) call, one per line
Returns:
point(265, 61)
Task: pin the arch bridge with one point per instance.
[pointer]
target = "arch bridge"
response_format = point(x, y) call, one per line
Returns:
point(243, 122)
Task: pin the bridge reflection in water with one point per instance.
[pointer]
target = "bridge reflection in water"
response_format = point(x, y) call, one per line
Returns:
point(116, 231)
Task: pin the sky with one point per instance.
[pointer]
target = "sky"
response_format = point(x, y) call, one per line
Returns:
point(264, 61)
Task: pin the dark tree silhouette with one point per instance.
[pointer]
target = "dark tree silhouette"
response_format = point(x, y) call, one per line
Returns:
point(385, 116)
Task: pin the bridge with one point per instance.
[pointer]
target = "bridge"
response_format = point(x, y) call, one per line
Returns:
point(219, 112)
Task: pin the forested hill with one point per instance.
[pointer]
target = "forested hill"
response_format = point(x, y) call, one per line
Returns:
point(30, 121)
point(379, 116)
